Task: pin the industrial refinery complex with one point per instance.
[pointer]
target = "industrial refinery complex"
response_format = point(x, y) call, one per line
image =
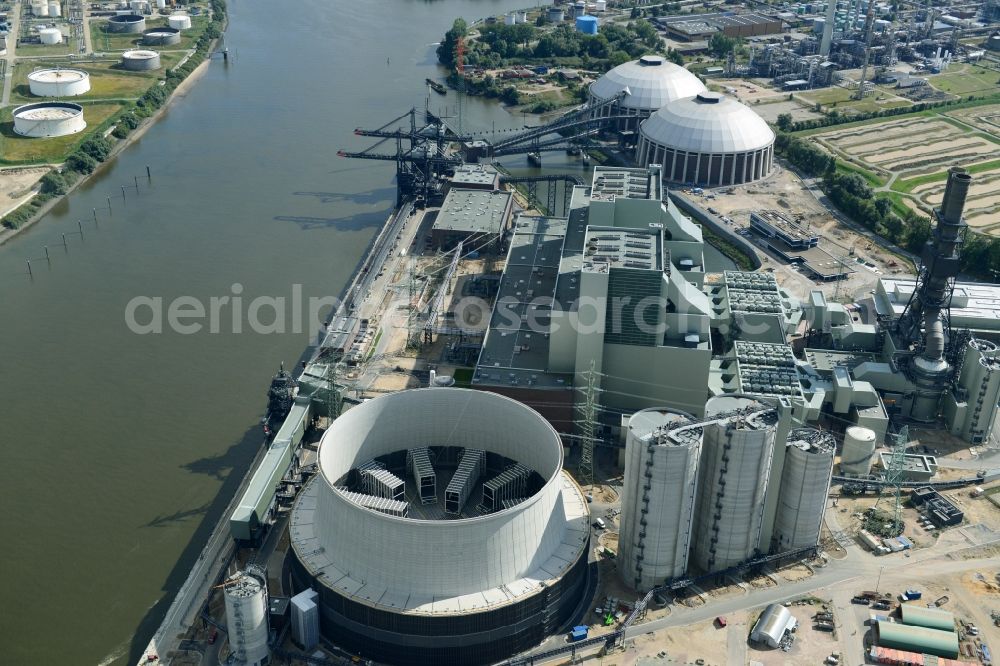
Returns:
point(540, 427)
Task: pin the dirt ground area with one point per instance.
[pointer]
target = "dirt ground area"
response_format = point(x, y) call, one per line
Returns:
point(810, 646)
point(748, 91)
point(785, 192)
point(697, 641)
point(794, 573)
point(986, 118)
point(770, 110)
point(16, 186)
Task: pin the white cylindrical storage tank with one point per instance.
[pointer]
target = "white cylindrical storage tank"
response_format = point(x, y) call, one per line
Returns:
point(50, 36)
point(41, 9)
point(179, 21)
point(55, 9)
point(246, 617)
point(601, 5)
point(127, 23)
point(650, 83)
point(735, 466)
point(708, 139)
point(805, 486)
point(859, 451)
point(556, 15)
point(58, 82)
point(510, 19)
point(46, 119)
point(139, 6)
point(161, 37)
point(140, 60)
point(160, 4)
point(661, 477)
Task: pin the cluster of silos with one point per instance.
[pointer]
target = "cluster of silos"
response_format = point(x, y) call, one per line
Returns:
point(858, 453)
point(246, 617)
point(661, 477)
point(805, 485)
point(732, 482)
point(514, 18)
point(46, 8)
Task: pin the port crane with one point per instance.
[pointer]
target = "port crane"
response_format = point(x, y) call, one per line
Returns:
point(422, 140)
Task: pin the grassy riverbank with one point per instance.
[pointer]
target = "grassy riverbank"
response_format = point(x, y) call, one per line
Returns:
point(729, 250)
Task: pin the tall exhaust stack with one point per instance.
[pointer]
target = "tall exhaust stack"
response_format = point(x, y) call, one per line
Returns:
point(831, 16)
point(924, 322)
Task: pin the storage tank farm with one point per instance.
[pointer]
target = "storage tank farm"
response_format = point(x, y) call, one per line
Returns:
point(246, 616)
point(858, 452)
point(805, 485)
point(661, 476)
point(732, 482)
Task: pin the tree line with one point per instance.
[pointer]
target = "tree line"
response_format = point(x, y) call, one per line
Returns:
point(853, 195)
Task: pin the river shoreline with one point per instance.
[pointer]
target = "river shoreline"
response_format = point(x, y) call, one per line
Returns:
point(181, 91)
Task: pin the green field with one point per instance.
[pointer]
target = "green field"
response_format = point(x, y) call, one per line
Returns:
point(840, 99)
point(15, 149)
point(103, 40)
point(966, 79)
point(32, 50)
point(107, 79)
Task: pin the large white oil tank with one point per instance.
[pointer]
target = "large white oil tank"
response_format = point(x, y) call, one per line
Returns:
point(41, 9)
point(601, 5)
point(50, 36)
point(160, 4)
point(58, 82)
point(139, 6)
point(859, 451)
point(510, 19)
point(805, 486)
point(179, 21)
point(735, 466)
point(246, 616)
point(522, 17)
point(661, 476)
point(47, 119)
point(55, 9)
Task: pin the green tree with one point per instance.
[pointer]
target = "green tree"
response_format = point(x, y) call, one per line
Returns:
point(446, 50)
point(720, 45)
point(674, 56)
point(510, 96)
point(784, 122)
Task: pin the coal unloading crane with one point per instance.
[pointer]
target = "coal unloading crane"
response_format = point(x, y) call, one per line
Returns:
point(422, 152)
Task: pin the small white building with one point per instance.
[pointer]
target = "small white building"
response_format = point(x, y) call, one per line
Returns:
point(305, 619)
point(774, 623)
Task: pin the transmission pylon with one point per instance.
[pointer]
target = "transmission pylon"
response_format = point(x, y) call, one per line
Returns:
point(894, 476)
point(588, 427)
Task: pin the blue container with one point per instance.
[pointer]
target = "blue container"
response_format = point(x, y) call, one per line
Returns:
point(586, 24)
point(578, 633)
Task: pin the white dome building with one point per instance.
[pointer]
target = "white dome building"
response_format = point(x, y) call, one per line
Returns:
point(440, 529)
point(709, 140)
point(651, 82)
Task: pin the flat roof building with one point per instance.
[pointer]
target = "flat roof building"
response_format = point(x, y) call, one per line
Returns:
point(616, 283)
point(473, 216)
point(702, 26)
point(772, 224)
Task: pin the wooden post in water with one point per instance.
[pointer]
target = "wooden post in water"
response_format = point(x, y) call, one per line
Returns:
point(47, 258)
point(30, 274)
point(95, 215)
point(79, 225)
point(109, 204)
point(123, 193)
point(136, 183)
point(64, 241)
point(148, 175)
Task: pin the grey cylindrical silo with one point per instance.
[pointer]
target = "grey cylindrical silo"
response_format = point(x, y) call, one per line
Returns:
point(732, 483)
point(661, 476)
point(805, 486)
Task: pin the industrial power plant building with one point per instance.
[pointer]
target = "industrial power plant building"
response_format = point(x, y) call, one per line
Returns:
point(441, 529)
